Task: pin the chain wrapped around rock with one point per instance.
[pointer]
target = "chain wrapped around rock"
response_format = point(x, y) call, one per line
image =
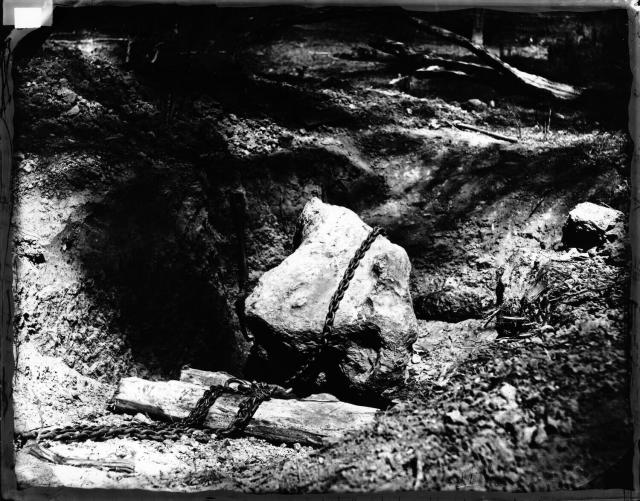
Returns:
point(334, 304)
point(192, 424)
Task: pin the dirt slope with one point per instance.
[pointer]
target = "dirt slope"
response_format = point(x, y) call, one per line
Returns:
point(127, 254)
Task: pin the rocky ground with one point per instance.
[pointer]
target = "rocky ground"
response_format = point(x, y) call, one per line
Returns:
point(128, 257)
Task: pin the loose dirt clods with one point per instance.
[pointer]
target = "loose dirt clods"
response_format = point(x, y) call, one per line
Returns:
point(126, 251)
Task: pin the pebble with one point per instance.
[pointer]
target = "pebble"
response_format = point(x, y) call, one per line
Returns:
point(527, 434)
point(477, 104)
point(540, 436)
point(67, 95)
point(455, 417)
point(508, 392)
point(73, 111)
point(507, 417)
point(142, 418)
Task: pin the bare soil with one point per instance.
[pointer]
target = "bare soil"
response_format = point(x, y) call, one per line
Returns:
point(126, 256)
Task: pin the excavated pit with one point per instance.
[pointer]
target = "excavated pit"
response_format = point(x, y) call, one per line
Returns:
point(151, 193)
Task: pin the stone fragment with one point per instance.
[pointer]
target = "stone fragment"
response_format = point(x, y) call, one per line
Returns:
point(590, 225)
point(477, 104)
point(508, 392)
point(73, 111)
point(455, 417)
point(67, 96)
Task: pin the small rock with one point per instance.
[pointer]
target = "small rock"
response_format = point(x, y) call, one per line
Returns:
point(67, 95)
point(508, 392)
point(26, 166)
point(477, 104)
point(553, 424)
point(540, 436)
point(73, 111)
point(589, 224)
point(416, 359)
point(434, 124)
point(526, 434)
point(508, 416)
point(142, 418)
point(455, 417)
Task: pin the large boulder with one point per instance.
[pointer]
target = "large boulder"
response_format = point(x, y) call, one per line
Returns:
point(590, 225)
point(375, 325)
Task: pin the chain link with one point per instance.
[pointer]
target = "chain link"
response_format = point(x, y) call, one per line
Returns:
point(248, 407)
point(334, 304)
point(201, 409)
point(191, 425)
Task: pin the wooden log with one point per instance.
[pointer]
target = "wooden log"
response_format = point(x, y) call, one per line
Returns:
point(403, 59)
point(540, 84)
point(204, 378)
point(314, 420)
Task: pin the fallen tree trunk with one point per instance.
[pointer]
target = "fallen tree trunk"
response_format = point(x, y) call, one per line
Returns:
point(412, 63)
point(313, 420)
point(402, 59)
point(540, 84)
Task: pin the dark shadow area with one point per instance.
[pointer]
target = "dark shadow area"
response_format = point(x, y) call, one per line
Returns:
point(138, 247)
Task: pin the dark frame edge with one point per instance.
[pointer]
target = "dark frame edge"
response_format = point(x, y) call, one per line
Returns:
point(634, 234)
point(8, 477)
point(8, 482)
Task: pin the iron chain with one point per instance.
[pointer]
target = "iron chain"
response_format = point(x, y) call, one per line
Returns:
point(334, 304)
point(192, 424)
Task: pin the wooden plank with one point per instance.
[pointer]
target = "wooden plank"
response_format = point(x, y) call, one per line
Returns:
point(314, 420)
point(204, 378)
point(553, 89)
